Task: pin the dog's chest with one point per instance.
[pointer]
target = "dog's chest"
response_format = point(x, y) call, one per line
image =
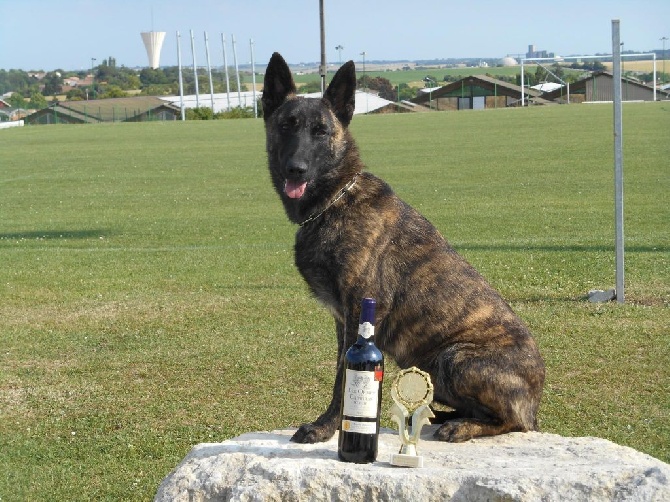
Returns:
point(316, 256)
point(324, 259)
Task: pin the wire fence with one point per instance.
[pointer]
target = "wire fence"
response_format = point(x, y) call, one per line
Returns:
point(89, 114)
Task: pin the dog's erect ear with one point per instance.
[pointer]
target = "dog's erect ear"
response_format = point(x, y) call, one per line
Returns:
point(278, 84)
point(341, 92)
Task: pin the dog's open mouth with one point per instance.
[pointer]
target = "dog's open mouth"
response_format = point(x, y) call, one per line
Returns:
point(295, 189)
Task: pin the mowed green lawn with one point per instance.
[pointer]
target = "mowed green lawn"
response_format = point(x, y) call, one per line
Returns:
point(149, 302)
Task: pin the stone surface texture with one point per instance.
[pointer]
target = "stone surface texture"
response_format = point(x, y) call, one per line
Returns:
point(266, 466)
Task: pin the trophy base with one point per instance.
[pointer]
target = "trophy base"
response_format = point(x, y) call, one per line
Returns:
point(402, 460)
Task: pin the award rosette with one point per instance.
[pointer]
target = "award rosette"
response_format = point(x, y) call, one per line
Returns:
point(412, 393)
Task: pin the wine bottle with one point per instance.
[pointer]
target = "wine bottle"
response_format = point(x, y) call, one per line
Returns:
point(362, 393)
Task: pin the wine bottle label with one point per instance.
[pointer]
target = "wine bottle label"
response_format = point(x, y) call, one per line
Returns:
point(366, 330)
point(361, 392)
point(359, 427)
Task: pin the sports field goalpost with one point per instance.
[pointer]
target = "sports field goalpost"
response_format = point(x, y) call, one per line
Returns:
point(616, 56)
point(651, 55)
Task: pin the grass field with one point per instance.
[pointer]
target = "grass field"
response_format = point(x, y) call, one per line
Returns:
point(149, 301)
point(644, 66)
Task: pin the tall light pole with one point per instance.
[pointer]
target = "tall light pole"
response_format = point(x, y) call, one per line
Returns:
point(339, 51)
point(195, 72)
point(365, 82)
point(663, 39)
point(181, 79)
point(93, 60)
point(237, 74)
point(363, 54)
point(253, 76)
point(322, 66)
point(225, 67)
point(209, 72)
point(427, 79)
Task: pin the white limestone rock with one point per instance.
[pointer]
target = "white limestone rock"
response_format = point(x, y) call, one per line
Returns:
point(266, 466)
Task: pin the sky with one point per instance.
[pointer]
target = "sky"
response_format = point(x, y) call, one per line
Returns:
point(54, 34)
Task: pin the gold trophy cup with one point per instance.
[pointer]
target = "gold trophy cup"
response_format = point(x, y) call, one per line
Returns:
point(412, 393)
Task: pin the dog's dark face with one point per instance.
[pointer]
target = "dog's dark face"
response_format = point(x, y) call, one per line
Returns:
point(306, 138)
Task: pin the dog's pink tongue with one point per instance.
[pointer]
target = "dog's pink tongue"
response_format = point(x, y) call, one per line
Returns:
point(294, 189)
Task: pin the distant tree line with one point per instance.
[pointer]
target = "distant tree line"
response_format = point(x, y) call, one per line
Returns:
point(109, 81)
point(206, 113)
point(593, 65)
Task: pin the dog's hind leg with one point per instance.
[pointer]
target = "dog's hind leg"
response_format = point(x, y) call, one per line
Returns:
point(491, 394)
point(463, 429)
point(441, 416)
point(476, 420)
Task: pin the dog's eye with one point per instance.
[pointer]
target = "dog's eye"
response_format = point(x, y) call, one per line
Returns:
point(288, 125)
point(320, 130)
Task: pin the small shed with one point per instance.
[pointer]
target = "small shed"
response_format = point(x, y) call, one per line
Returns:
point(599, 86)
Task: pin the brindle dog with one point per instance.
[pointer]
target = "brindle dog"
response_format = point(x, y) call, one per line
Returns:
point(357, 239)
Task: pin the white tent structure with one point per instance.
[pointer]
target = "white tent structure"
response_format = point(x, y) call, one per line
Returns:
point(366, 102)
point(220, 102)
point(546, 86)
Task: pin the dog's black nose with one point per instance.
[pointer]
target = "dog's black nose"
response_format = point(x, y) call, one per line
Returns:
point(296, 167)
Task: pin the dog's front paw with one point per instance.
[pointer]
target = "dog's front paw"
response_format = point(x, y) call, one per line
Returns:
point(311, 433)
